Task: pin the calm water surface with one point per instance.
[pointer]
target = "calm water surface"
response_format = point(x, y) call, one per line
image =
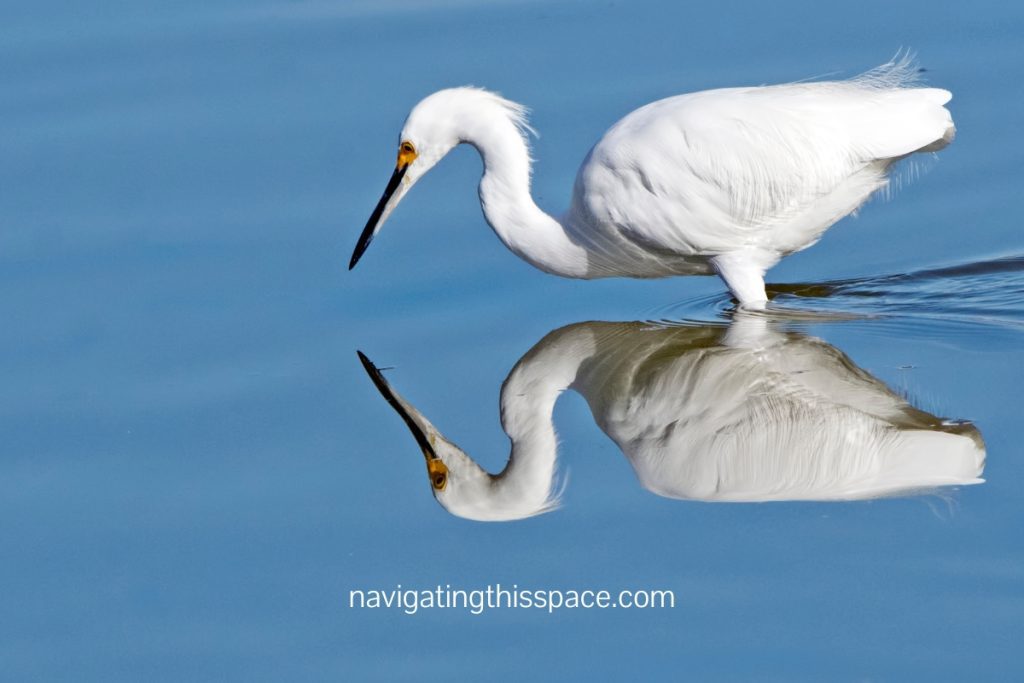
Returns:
point(196, 469)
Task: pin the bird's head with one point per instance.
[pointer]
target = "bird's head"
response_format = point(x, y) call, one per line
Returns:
point(458, 483)
point(435, 125)
point(455, 479)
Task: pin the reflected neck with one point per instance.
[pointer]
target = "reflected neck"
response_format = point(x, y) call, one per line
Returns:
point(528, 399)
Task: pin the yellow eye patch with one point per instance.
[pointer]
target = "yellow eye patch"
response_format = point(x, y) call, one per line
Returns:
point(406, 154)
point(438, 473)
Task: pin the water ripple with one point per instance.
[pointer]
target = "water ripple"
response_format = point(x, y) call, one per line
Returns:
point(953, 298)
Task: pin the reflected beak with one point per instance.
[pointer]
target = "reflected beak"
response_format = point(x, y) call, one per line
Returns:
point(388, 201)
point(419, 426)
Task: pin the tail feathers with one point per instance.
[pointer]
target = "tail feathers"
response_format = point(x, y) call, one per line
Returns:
point(925, 458)
point(943, 142)
point(908, 120)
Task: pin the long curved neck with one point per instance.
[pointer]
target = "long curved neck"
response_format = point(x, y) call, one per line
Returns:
point(528, 399)
point(528, 480)
point(508, 206)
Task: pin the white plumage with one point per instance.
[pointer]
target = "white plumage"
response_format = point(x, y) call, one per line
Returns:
point(745, 413)
point(727, 181)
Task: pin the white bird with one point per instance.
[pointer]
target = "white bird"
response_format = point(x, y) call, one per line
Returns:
point(745, 412)
point(725, 181)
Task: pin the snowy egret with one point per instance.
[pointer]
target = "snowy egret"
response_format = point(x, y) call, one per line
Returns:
point(725, 181)
point(745, 412)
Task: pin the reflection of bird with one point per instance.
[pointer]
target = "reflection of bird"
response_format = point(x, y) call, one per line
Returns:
point(714, 413)
point(725, 181)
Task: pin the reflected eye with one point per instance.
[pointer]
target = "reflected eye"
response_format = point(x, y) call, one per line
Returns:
point(437, 471)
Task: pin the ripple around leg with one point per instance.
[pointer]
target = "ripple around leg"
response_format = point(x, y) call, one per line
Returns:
point(989, 293)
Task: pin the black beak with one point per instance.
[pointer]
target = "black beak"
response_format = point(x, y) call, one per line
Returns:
point(392, 398)
point(371, 225)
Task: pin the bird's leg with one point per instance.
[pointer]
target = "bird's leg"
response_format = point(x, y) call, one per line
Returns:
point(743, 272)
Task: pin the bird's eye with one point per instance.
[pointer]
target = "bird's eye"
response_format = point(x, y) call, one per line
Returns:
point(407, 148)
point(438, 473)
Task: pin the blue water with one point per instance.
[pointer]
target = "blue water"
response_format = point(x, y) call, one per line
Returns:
point(196, 470)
